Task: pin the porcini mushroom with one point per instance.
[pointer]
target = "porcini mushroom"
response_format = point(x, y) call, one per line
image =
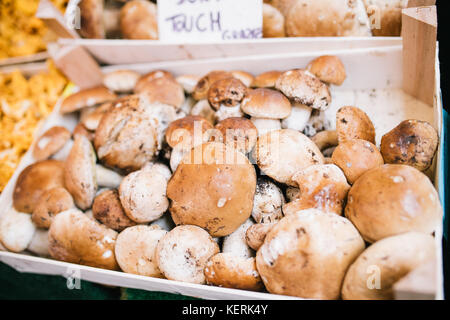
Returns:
point(121, 81)
point(50, 142)
point(52, 202)
point(16, 230)
point(329, 69)
point(202, 87)
point(273, 22)
point(86, 98)
point(266, 79)
point(238, 132)
point(225, 96)
point(353, 123)
point(139, 20)
point(267, 202)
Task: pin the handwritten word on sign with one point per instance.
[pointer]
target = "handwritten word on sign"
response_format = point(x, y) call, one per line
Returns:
point(209, 20)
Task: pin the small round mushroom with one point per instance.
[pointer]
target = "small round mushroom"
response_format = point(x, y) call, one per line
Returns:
point(202, 87)
point(355, 157)
point(307, 254)
point(86, 98)
point(245, 77)
point(266, 79)
point(325, 139)
point(80, 173)
point(81, 130)
point(135, 250)
point(16, 230)
point(255, 234)
point(298, 118)
point(108, 209)
point(208, 189)
point(139, 20)
point(267, 202)
point(384, 263)
point(143, 195)
point(188, 132)
point(182, 253)
point(265, 125)
point(238, 132)
point(227, 92)
point(188, 82)
point(393, 199)
point(266, 103)
point(412, 142)
point(305, 88)
point(329, 69)
point(322, 187)
point(50, 142)
point(74, 237)
point(273, 22)
point(51, 202)
point(353, 123)
point(165, 90)
point(34, 180)
point(121, 81)
point(150, 76)
point(282, 153)
point(203, 109)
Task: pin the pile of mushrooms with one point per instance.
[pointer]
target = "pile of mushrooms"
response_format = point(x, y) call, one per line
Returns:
point(210, 180)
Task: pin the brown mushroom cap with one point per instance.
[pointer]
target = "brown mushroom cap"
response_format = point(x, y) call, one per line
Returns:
point(139, 20)
point(86, 98)
point(165, 90)
point(389, 14)
point(266, 79)
point(307, 254)
point(52, 202)
point(34, 180)
point(202, 87)
point(121, 81)
point(322, 187)
point(79, 173)
point(74, 237)
point(329, 69)
point(226, 92)
point(412, 142)
point(273, 22)
point(282, 153)
point(91, 19)
point(150, 76)
point(109, 211)
point(385, 262)
point(393, 199)
point(303, 87)
point(266, 103)
point(230, 271)
point(325, 139)
point(353, 123)
point(255, 234)
point(209, 190)
point(245, 77)
point(50, 142)
point(241, 133)
point(355, 157)
point(183, 131)
point(127, 136)
point(92, 120)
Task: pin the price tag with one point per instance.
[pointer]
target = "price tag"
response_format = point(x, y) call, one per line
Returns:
point(209, 20)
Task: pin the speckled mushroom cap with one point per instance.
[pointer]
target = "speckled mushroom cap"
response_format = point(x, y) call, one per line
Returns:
point(150, 76)
point(412, 142)
point(50, 142)
point(202, 87)
point(303, 87)
point(329, 69)
point(86, 98)
point(164, 90)
point(227, 92)
point(52, 202)
point(393, 199)
point(353, 123)
point(239, 132)
point(307, 254)
point(183, 131)
point(213, 187)
point(282, 153)
point(266, 103)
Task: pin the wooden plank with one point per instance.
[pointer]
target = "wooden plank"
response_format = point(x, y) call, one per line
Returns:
point(421, 3)
point(54, 20)
point(419, 33)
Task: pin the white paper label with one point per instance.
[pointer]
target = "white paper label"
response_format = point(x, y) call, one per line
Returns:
point(209, 20)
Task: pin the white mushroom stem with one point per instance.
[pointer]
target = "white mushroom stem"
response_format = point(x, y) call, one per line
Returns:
point(228, 112)
point(39, 243)
point(188, 82)
point(298, 118)
point(236, 242)
point(16, 230)
point(267, 202)
point(186, 107)
point(63, 152)
point(176, 156)
point(265, 125)
point(203, 108)
point(107, 178)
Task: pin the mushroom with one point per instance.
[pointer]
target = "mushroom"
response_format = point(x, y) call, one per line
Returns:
point(139, 20)
point(188, 132)
point(208, 189)
point(376, 270)
point(245, 77)
point(188, 82)
point(127, 136)
point(190, 243)
point(81, 130)
point(318, 121)
point(236, 244)
point(86, 98)
point(304, 88)
point(412, 142)
point(80, 173)
point(121, 81)
point(325, 139)
point(239, 133)
point(135, 250)
point(74, 237)
point(50, 142)
point(225, 96)
point(264, 126)
point(282, 153)
point(298, 118)
point(98, 19)
point(202, 87)
point(307, 254)
point(63, 153)
point(393, 199)
point(149, 77)
point(160, 168)
point(322, 187)
point(353, 123)
point(143, 195)
point(34, 180)
point(355, 157)
point(329, 69)
point(267, 202)
point(39, 243)
point(107, 178)
point(51, 202)
point(108, 209)
point(16, 230)
point(267, 79)
point(203, 109)
point(255, 234)
point(273, 22)
point(165, 90)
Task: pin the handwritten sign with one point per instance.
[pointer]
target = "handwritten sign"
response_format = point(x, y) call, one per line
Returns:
point(209, 20)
